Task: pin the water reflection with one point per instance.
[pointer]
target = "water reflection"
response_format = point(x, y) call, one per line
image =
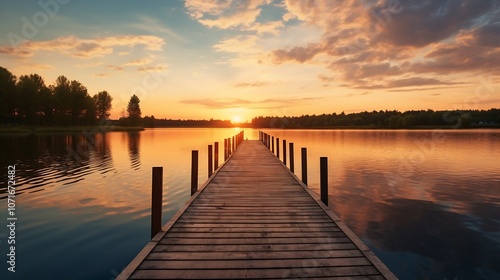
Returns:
point(433, 218)
point(429, 206)
point(134, 139)
point(46, 160)
point(451, 240)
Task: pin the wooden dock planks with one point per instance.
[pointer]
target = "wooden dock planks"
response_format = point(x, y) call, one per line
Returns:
point(254, 219)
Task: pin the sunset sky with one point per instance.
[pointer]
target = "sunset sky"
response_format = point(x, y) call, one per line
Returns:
point(240, 59)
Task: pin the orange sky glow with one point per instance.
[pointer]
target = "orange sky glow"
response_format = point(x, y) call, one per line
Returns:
point(235, 60)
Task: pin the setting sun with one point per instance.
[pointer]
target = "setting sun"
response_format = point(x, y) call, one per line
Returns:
point(236, 119)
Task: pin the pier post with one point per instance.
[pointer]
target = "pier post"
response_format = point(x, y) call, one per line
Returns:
point(216, 155)
point(284, 151)
point(225, 149)
point(194, 171)
point(324, 179)
point(234, 144)
point(210, 161)
point(272, 144)
point(304, 165)
point(278, 148)
point(292, 162)
point(156, 200)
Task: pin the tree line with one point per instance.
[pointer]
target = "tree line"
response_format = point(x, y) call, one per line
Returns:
point(151, 121)
point(386, 119)
point(29, 101)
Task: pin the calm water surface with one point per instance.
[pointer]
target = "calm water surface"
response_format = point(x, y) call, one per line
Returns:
point(426, 202)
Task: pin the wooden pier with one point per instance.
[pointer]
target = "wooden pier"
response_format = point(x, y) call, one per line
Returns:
point(254, 219)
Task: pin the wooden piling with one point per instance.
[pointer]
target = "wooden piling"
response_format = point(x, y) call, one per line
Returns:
point(324, 179)
point(210, 161)
point(278, 148)
point(284, 151)
point(304, 165)
point(292, 163)
point(156, 200)
point(194, 172)
point(216, 155)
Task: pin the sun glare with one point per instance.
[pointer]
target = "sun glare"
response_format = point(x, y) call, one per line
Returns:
point(236, 119)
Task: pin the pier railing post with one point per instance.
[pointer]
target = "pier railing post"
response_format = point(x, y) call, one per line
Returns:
point(234, 144)
point(278, 148)
point(156, 200)
point(269, 142)
point(194, 171)
point(324, 179)
point(216, 155)
point(304, 165)
point(292, 162)
point(210, 161)
point(284, 151)
point(225, 149)
point(272, 144)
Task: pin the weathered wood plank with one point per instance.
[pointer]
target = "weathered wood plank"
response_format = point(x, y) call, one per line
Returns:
point(229, 255)
point(247, 235)
point(254, 248)
point(302, 240)
point(252, 264)
point(277, 273)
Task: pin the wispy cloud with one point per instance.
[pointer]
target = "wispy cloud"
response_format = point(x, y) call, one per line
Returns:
point(252, 84)
point(224, 103)
point(152, 68)
point(155, 26)
point(225, 14)
point(84, 48)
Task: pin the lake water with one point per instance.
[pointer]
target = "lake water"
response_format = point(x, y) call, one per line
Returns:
point(426, 202)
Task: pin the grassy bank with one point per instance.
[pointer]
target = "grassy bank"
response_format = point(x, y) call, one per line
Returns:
point(71, 129)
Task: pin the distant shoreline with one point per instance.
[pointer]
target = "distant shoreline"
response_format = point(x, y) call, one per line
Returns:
point(52, 129)
point(383, 128)
point(98, 129)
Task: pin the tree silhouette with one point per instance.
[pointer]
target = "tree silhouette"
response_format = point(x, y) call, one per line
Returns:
point(102, 103)
point(33, 97)
point(134, 110)
point(7, 95)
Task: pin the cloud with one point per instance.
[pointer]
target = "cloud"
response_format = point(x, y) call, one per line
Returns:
point(224, 103)
point(155, 26)
point(407, 82)
point(371, 44)
point(140, 61)
point(272, 27)
point(84, 48)
point(153, 68)
point(89, 64)
point(225, 14)
point(238, 44)
point(254, 84)
point(116, 67)
point(101, 75)
point(426, 22)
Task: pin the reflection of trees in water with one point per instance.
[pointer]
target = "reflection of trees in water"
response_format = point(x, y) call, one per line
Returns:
point(429, 230)
point(134, 139)
point(44, 160)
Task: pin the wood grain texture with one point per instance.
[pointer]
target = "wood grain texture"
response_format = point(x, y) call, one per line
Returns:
point(254, 220)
